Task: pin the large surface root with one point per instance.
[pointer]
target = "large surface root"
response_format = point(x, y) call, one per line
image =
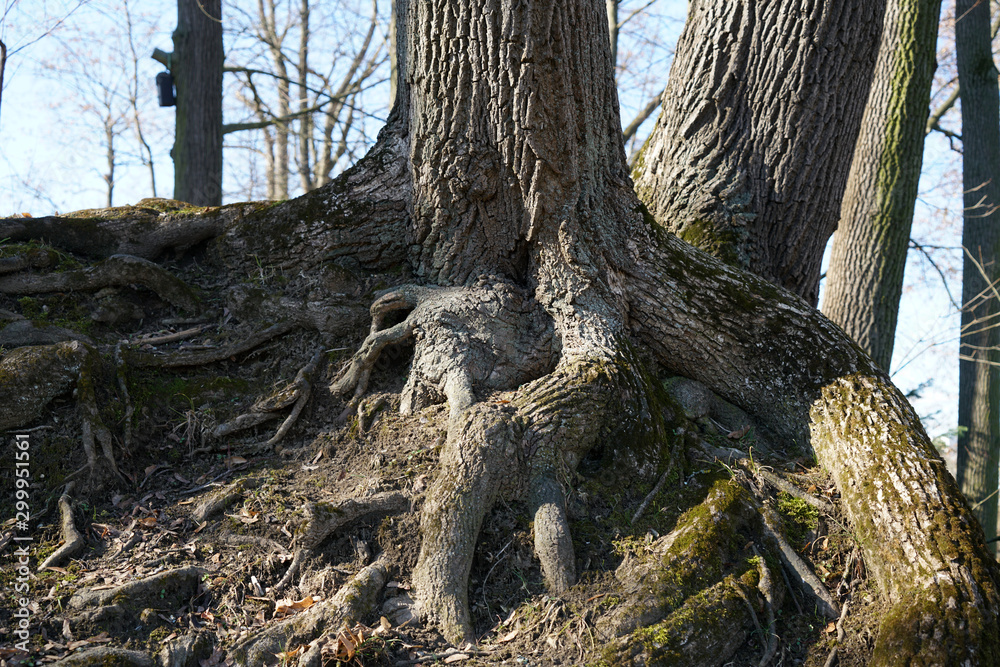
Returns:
point(526, 449)
point(491, 336)
point(117, 270)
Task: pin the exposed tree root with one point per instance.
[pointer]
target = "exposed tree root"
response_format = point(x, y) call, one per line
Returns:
point(491, 335)
point(118, 607)
point(547, 428)
point(106, 656)
point(146, 230)
point(265, 409)
point(324, 519)
point(71, 537)
point(33, 376)
point(219, 501)
point(116, 271)
point(355, 599)
point(182, 359)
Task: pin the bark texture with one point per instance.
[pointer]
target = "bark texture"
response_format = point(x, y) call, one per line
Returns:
point(197, 69)
point(865, 278)
point(540, 297)
point(979, 365)
point(763, 105)
point(918, 536)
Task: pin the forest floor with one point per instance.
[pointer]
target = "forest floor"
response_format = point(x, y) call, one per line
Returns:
point(234, 507)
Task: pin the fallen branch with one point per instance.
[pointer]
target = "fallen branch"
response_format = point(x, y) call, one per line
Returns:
point(766, 587)
point(170, 338)
point(243, 422)
point(811, 584)
point(831, 659)
point(822, 504)
point(652, 494)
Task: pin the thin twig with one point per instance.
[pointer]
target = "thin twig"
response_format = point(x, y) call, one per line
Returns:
point(652, 494)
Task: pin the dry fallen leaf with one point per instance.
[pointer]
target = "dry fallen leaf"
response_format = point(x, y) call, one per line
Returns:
point(288, 656)
point(736, 435)
point(456, 657)
point(287, 606)
point(509, 636)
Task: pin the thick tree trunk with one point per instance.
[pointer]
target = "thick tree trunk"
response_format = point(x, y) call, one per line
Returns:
point(979, 368)
point(865, 278)
point(547, 294)
point(757, 346)
point(763, 106)
point(197, 69)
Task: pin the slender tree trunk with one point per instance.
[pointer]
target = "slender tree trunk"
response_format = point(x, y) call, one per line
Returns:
point(763, 105)
point(109, 145)
point(305, 122)
point(979, 374)
point(197, 69)
point(865, 278)
point(270, 36)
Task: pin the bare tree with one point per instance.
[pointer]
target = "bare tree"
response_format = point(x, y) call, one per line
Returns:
point(317, 125)
point(103, 72)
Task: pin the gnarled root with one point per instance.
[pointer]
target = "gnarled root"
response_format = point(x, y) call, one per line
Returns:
point(71, 537)
point(117, 270)
point(30, 377)
point(296, 393)
point(524, 449)
point(694, 595)
point(491, 336)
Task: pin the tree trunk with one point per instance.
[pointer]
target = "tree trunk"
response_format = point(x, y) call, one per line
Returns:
point(763, 105)
point(865, 278)
point(545, 303)
point(979, 374)
point(197, 70)
point(306, 121)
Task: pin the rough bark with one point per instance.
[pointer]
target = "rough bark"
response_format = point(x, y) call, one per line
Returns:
point(979, 365)
point(197, 69)
point(542, 296)
point(865, 278)
point(763, 105)
point(918, 535)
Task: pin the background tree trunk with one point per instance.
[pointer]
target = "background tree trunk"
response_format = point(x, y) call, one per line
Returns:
point(197, 69)
point(763, 105)
point(865, 278)
point(979, 374)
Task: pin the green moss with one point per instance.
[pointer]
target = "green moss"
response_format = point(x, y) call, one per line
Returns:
point(798, 517)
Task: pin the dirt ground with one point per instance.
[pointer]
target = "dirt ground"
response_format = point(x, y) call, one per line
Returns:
point(146, 521)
